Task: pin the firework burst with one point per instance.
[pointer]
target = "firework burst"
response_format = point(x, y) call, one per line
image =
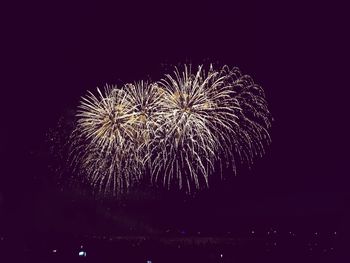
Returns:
point(178, 129)
point(198, 113)
point(104, 140)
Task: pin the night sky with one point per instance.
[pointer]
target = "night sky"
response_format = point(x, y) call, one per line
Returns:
point(55, 52)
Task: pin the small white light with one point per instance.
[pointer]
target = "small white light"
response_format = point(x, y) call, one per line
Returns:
point(253, 232)
point(149, 261)
point(335, 233)
point(54, 251)
point(221, 255)
point(82, 254)
point(274, 231)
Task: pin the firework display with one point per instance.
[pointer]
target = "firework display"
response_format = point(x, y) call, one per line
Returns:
point(176, 131)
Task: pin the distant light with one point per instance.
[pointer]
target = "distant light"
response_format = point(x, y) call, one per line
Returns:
point(82, 254)
point(316, 233)
point(332, 248)
point(253, 231)
point(268, 232)
point(335, 233)
point(275, 244)
point(54, 251)
point(274, 231)
point(221, 255)
point(149, 261)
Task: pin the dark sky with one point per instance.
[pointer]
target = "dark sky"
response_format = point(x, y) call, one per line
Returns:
point(54, 52)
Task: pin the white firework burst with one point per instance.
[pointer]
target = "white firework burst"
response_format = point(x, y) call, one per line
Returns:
point(105, 137)
point(179, 129)
point(198, 116)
